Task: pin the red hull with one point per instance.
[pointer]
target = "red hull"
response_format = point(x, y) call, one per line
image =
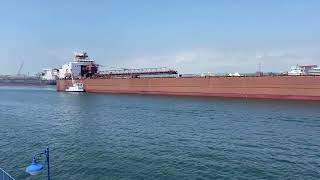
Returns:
point(266, 87)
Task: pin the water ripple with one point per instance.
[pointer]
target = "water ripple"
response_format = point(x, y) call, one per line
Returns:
point(96, 136)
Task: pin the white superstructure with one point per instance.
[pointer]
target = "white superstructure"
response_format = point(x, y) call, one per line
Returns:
point(50, 74)
point(296, 70)
point(304, 70)
point(234, 74)
point(314, 71)
point(73, 69)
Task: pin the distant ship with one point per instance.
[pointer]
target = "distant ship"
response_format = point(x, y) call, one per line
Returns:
point(304, 70)
point(47, 77)
point(301, 83)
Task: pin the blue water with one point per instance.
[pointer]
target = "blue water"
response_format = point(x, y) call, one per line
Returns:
point(100, 136)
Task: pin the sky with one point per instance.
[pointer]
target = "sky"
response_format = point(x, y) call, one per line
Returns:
point(192, 36)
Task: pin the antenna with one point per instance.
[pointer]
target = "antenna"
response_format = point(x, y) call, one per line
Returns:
point(20, 68)
point(259, 57)
point(259, 67)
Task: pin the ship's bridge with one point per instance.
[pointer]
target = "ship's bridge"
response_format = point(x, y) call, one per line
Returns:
point(81, 66)
point(82, 57)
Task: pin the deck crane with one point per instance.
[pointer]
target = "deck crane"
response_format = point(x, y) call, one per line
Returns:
point(20, 68)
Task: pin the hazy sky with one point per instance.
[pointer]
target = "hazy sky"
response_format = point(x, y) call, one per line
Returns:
point(189, 35)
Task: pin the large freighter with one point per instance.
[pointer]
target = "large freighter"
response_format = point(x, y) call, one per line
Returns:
point(47, 77)
point(298, 84)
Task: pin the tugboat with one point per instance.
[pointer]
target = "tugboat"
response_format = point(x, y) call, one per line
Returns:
point(76, 87)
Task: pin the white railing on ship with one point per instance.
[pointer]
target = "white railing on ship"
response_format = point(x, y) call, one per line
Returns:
point(4, 175)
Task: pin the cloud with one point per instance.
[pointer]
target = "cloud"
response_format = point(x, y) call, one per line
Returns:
point(196, 60)
point(227, 60)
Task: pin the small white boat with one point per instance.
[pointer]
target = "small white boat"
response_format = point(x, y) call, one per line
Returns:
point(76, 87)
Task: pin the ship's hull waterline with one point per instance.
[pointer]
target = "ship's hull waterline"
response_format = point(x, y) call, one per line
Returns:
point(264, 87)
point(27, 83)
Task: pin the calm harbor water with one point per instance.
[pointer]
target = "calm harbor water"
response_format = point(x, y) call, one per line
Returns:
point(100, 136)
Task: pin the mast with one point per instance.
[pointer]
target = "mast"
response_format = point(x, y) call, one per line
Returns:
point(72, 80)
point(259, 67)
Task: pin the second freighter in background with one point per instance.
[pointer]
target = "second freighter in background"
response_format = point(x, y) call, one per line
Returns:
point(47, 77)
point(301, 83)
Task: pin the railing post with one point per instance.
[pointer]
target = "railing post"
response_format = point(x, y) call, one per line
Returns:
point(48, 162)
point(5, 175)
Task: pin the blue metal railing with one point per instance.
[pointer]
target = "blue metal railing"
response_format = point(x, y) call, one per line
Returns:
point(4, 175)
